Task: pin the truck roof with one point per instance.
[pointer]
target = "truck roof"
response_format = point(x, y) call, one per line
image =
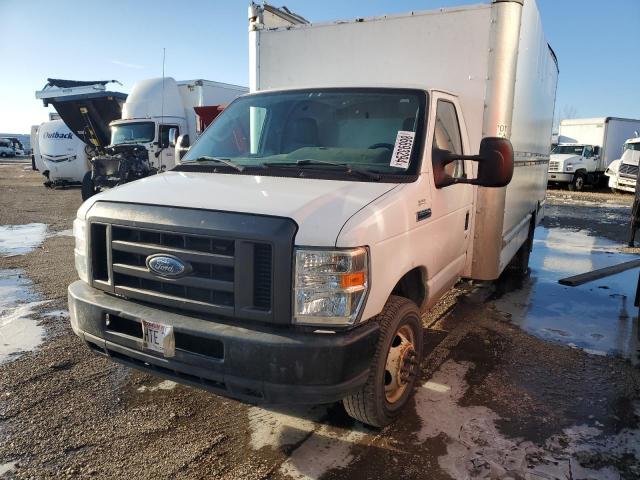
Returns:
point(595, 120)
point(201, 81)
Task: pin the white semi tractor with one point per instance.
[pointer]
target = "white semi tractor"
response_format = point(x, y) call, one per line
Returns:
point(288, 257)
point(132, 139)
point(586, 147)
point(623, 173)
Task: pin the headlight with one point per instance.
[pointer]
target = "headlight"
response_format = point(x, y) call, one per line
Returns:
point(330, 285)
point(80, 250)
point(568, 167)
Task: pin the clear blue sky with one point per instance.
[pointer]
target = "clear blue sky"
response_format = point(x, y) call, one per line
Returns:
point(597, 43)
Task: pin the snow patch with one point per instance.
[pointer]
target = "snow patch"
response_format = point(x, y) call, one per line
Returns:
point(21, 239)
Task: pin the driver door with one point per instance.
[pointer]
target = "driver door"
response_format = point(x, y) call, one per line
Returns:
point(167, 153)
point(451, 205)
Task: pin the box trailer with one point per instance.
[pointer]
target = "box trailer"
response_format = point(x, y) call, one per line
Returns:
point(289, 256)
point(586, 147)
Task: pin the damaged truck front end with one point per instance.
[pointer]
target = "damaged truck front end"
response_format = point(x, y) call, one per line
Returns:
point(118, 164)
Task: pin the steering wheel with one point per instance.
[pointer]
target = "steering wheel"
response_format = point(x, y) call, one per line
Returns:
point(381, 145)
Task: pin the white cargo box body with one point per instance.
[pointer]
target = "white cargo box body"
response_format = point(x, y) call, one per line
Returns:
point(608, 133)
point(200, 93)
point(494, 57)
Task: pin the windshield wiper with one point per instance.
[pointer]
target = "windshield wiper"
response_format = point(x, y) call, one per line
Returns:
point(343, 166)
point(221, 161)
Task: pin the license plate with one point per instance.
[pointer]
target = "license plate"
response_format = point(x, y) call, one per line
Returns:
point(159, 338)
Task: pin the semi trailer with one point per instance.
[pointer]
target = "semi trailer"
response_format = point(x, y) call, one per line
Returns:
point(290, 255)
point(586, 147)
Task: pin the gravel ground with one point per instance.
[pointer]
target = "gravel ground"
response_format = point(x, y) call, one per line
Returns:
point(495, 402)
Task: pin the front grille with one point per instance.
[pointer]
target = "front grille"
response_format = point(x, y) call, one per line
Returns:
point(238, 265)
point(209, 287)
point(554, 165)
point(627, 170)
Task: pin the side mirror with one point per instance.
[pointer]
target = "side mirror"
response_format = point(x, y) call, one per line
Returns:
point(495, 164)
point(173, 134)
point(182, 146)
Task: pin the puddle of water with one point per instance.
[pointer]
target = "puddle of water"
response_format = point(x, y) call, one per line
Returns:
point(598, 316)
point(477, 449)
point(21, 239)
point(19, 332)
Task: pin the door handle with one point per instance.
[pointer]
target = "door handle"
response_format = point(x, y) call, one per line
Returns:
point(466, 221)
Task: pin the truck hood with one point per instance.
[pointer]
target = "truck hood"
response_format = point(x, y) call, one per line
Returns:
point(565, 157)
point(631, 157)
point(319, 207)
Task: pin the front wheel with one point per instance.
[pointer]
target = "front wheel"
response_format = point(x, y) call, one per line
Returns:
point(87, 189)
point(577, 185)
point(3, 155)
point(394, 367)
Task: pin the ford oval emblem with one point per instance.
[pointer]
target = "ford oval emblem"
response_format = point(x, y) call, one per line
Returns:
point(167, 265)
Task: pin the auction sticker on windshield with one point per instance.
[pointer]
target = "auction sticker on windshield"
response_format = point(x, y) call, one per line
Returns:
point(402, 149)
point(159, 338)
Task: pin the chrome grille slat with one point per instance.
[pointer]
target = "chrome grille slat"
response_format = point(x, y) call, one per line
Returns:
point(627, 170)
point(188, 281)
point(189, 255)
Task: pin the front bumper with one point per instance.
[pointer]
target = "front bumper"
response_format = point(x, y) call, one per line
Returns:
point(559, 177)
point(622, 183)
point(251, 363)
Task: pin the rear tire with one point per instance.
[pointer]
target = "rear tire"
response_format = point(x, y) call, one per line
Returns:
point(33, 163)
point(3, 155)
point(88, 189)
point(577, 185)
point(394, 368)
point(519, 264)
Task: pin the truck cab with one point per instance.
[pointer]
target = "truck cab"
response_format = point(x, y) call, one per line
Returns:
point(623, 173)
point(572, 163)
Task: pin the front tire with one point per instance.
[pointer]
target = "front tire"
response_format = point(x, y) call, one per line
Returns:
point(394, 368)
point(88, 189)
point(577, 185)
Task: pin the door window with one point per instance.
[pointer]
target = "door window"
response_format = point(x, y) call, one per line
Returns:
point(588, 152)
point(446, 136)
point(163, 134)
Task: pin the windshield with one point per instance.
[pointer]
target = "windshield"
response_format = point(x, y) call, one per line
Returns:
point(632, 146)
point(135, 132)
point(568, 149)
point(319, 129)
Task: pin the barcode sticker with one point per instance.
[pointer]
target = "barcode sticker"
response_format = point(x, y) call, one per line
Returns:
point(402, 150)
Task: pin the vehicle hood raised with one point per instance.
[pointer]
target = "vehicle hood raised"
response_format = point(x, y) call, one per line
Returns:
point(319, 207)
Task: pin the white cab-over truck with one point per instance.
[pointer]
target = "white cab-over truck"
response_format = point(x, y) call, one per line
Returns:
point(623, 173)
point(586, 147)
point(287, 259)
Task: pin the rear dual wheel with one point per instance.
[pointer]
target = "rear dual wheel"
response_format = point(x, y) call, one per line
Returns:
point(395, 366)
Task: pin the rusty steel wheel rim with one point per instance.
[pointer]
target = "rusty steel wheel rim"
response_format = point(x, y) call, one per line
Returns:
point(401, 365)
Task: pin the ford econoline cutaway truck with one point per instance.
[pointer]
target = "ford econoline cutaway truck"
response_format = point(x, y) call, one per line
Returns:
point(289, 256)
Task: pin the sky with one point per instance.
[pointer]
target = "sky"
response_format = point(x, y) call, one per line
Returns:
point(597, 43)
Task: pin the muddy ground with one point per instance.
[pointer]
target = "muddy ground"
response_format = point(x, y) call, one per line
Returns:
point(498, 398)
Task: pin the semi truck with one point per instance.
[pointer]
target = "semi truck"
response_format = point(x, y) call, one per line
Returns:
point(623, 173)
point(291, 254)
point(129, 136)
point(586, 147)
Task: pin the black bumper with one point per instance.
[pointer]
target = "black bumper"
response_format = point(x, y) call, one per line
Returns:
point(254, 364)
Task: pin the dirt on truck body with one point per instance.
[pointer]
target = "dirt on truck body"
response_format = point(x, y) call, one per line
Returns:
point(513, 384)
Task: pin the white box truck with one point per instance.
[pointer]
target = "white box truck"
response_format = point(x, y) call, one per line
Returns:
point(288, 258)
point(586, 147)
point(623, 173)
point(131, 139)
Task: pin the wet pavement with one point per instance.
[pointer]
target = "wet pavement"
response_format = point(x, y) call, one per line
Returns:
point(599, 316)
point(21, 239)
point(521, 379)
point(19, 331)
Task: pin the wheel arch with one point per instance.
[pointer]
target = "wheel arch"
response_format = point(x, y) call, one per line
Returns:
point(412, 285)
